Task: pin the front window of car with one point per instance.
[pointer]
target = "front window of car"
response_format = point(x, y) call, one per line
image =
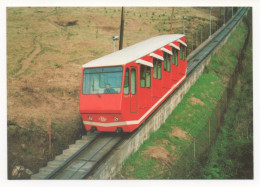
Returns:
point(102, 80)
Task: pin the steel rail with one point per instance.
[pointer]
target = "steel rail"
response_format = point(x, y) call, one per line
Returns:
point(58, 173)
point(90, 172)
point(70, 159)
point(93, 156)
point(205, 51)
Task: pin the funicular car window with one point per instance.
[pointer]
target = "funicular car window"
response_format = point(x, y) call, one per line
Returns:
point(133, 81)
point(167, 63)
point(103, 80)
point(157, 68)
point(142, 76)
point(148, 77)
point(175, 57)
point(182, 52)
point(145, 76)
point(126, 84)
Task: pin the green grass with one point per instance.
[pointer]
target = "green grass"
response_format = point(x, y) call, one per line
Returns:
point(232, 155)
point(189, 117)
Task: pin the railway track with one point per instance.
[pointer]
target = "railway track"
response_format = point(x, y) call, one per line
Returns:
point(81, 159)
point(215, 40)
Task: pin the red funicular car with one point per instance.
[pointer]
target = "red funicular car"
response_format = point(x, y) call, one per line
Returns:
point(120, 90)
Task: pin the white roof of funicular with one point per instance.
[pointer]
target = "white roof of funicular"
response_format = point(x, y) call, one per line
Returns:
point(134, 52)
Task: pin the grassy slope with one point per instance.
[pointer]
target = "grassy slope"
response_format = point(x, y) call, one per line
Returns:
point(235, 160)
point(189, 118)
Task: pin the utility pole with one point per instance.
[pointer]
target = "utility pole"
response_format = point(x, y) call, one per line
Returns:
point(224, 15)
point(220, 18)
point(122, 29)
point(171, 20)
point(210, 22)
point(183, 25)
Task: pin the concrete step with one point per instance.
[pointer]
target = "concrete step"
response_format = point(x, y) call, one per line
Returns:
point(38, 176)
point(46, 170)
point(62, 157)
point(85, 137)
point(54, 163)
point(90, 136)
point(82, 141)
point(75, 146)
point(69, 152)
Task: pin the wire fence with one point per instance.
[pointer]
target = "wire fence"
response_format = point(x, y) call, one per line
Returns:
point(198, 150)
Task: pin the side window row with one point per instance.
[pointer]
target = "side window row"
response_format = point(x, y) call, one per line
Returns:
point(145, 71)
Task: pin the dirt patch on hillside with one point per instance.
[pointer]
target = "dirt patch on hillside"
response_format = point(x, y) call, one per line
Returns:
point(196, 101)
point(181, 134)
point(66, 23)
point(107, 27)
point(159, 153)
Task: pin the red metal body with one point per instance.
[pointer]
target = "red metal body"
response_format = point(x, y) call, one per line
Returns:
point(135, 102)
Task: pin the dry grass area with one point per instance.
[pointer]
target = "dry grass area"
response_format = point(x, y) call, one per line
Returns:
point(46, 48)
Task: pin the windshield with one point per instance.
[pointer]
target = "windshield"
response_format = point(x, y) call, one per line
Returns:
point(105, 80)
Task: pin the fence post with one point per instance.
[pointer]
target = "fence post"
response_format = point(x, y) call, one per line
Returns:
point(192, 43)
point(194, 148)
point(209, 126)
point(195, 41)
point(205, 37)
point(218, 114)
point(201, 35)
point(50, 137)
point(209, 132)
